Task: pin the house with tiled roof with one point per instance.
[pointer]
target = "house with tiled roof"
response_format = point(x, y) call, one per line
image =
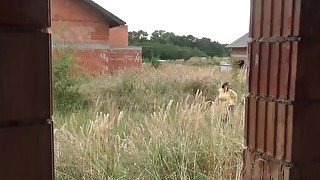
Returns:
point(99, 37)
point(239, 49)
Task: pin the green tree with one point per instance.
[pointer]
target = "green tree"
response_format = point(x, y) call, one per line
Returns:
point(167, 45)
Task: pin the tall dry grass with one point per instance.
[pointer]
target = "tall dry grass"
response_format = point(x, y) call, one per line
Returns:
point(152, 124)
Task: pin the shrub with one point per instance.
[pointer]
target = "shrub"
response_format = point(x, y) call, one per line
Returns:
point(154, 61)
point(65, 85)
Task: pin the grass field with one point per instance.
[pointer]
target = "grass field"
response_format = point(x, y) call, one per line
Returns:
point(147, 124)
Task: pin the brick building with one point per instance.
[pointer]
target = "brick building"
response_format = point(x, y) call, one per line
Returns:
point(239, 49)
point(99, 37)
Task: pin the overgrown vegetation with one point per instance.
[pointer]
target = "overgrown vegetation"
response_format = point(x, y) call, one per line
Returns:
point(167, 45)
point(146, 124)
point(67, 97)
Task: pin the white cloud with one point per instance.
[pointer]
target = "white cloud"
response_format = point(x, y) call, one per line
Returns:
point(220, 20)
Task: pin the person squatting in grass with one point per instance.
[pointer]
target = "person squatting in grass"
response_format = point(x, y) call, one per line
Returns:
point(227, 97)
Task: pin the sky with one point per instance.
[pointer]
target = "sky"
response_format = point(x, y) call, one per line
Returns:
point(220, 20)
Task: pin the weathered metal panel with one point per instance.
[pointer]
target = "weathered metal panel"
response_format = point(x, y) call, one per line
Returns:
point(25, 76)
point(25, 13)
point(26, 152)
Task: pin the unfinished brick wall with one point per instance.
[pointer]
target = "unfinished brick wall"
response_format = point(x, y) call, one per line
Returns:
point(110, 60)
point(74, 21)
point(240, 55)
point(77, 23)
point(239, 51)
point(119, 36)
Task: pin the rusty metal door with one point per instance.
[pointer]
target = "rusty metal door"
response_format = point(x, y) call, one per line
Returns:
point(25, 91)
point(283, 105)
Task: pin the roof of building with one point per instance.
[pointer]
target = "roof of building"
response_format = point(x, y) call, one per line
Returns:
point(241, 42)
point(113, 20)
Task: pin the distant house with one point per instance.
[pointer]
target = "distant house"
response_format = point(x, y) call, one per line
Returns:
point(99, 37)
point(239, 49)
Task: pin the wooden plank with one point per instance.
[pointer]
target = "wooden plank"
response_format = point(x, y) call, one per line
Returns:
point(309, 19)
point(25, 76)
point(306, 148)
point(26, 152)
point(35, 13)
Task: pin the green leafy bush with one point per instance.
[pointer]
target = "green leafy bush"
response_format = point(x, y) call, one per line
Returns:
point(65, 85)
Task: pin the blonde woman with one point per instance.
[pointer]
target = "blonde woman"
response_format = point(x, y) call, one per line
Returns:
point(227, 97)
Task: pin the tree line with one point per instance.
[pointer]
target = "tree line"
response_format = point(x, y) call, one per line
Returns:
point(167, 45)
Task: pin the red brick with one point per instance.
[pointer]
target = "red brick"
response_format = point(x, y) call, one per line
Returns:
point(94, 62)
point(74, 21)
point(119, 36)
point(99, 37)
